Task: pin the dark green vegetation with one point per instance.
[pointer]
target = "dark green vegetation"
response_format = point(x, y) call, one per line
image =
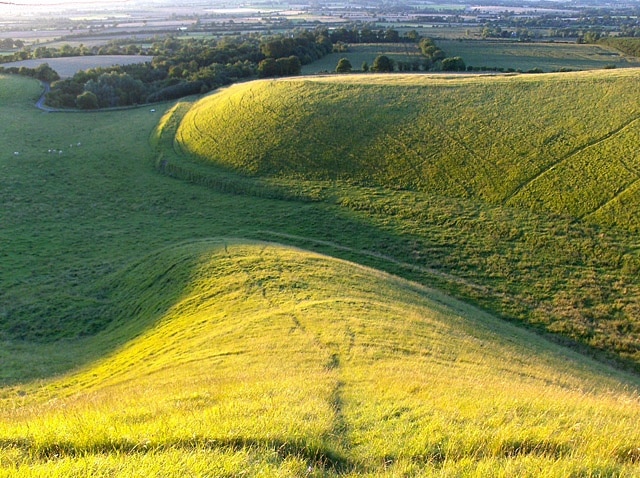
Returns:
point(42, 72)
point(629, 46)
point(519, 193)
point(178, 68)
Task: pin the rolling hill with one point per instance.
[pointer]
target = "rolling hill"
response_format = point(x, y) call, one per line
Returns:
point(563, 143)
point(284, 324)
point(263, 359)
point(519, 193)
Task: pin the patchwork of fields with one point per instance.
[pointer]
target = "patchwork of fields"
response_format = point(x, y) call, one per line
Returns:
point(241, 285)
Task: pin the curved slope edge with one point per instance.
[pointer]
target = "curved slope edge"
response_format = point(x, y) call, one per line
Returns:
point(562, 143)
point(275, 357)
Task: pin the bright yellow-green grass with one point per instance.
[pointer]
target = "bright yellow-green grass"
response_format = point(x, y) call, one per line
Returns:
point(563, 143)
point(273, 361)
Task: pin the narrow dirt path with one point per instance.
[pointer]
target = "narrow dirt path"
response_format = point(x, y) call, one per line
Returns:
point(40, 103)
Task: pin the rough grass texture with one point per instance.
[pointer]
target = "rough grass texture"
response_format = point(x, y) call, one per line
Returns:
point(259, 359)
point(520, 193)
point(134, 344)
point(562, 143)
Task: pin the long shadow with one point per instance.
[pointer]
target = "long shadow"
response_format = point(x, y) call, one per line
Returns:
point(315, 455)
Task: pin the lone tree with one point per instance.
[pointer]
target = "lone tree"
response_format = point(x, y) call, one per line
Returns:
point(454, 63)
point(382, 64)
point(344, 66)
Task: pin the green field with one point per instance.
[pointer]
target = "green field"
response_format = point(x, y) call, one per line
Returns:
point(538, 143)
point(548, 57)
point(358, 54)
point(435, 160)
point(527, 56)
point(161, 316)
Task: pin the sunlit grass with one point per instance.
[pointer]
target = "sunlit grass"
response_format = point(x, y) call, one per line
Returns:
point(280, 362)
point(555, 143)
point(144, 334)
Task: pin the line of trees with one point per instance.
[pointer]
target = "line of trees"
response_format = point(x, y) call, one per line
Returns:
point(182, 67)
point(433, 59)
point(115, 47)
point(370, 35)
point(42, 72)
point(10, 44)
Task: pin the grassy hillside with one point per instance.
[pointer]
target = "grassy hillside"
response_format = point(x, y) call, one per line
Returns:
point(435, 160)
point(563, 143)
point(135, 343)
point(265, 360)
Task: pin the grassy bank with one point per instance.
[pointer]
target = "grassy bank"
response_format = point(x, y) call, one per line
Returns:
point(265, 360)
point(520, 193)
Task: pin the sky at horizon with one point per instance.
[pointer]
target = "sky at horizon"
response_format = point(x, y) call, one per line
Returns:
point(36, 3)
point(26, 7)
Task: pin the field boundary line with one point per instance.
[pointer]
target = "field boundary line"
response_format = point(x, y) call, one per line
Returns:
point(569, 155)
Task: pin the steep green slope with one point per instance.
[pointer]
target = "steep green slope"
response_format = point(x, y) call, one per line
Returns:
point(563, 143)
point(260, 359)
point(133, 344)
point(518, 193)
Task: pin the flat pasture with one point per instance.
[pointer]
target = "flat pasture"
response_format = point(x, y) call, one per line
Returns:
point(527, 56)
point(358, 54)
point(69, 66)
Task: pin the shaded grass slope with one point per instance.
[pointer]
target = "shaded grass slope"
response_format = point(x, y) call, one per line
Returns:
point(262, 359)
point(563, 143)
point(518, 193)
point(133, 344)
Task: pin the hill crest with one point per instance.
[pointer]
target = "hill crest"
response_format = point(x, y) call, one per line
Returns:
point(559, 143)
